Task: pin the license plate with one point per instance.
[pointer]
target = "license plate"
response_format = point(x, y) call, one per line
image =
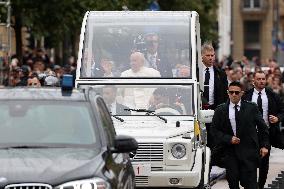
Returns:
point(142, 169)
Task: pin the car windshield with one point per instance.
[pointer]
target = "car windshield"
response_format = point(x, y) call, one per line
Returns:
point(140, 99)
point(148, 45)
point(46, 122)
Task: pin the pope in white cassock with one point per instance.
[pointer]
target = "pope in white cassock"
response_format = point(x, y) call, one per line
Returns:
point(138, 97)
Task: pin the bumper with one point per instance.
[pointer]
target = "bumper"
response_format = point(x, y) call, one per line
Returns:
point(175, 178)
point(163, 179)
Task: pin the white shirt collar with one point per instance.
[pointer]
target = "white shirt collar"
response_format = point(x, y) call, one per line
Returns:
point(210, 68)
point(256, 91)
point(233, 105)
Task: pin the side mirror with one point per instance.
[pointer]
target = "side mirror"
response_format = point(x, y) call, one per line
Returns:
point(205, 116)
point(124, 144)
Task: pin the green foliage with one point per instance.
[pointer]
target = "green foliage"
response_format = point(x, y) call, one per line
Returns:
point(207, 10)
point(56, 18)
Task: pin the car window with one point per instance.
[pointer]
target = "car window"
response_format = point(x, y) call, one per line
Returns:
point(46, 122)
point(106, 121)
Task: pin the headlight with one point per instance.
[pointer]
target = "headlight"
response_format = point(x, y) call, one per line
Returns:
point(94, 183)
point(178, 151)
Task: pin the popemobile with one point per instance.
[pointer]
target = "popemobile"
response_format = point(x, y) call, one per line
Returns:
point(146, 67)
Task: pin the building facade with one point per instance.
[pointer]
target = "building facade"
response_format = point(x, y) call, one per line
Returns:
point(256, 29)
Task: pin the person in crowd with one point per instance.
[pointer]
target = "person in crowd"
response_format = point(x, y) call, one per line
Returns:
point(107, 68)
point(183, 71)
point(40, 55)
point(50, 79)
point(239, 127)
point(160, 102)
point(272, 110)
point(115, 108)
point(231, 75)
point(247, 81)
point(23, 75)
point(215, 87)
point(33, 81)
point(154, 58)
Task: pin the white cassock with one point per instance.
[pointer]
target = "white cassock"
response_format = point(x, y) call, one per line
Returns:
point(138, 98)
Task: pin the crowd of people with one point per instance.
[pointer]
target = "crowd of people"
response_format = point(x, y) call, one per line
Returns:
point(248, 104)
point(35, 69)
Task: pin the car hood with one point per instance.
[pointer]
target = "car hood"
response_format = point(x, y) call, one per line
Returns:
point(47, 165)
point(153, 127)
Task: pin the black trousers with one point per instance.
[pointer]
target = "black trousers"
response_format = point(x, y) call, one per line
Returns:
point(263, 170)
point(237, 173)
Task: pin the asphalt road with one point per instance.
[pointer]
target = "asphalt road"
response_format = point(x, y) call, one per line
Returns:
point(275, 178)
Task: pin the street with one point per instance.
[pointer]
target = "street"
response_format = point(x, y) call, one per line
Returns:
point(275, 174)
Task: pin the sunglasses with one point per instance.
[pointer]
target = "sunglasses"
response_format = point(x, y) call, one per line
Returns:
point(32, 84)
point(236, 92)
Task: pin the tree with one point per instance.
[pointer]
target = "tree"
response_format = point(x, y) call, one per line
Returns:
point(207, 10)
point(60, 20)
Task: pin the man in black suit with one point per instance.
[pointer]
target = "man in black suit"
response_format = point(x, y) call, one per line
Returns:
point(215, 80)
point(239, 127)
point(109, 95)
point(154, 58)
point(215, 87)
point(272, 109)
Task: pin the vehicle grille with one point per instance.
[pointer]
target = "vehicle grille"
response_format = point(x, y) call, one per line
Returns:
point(156, 168)
point(28, 186)
point(149, 152)
point(141, 181)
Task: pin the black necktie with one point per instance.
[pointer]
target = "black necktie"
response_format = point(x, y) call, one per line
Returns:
point(259, 103)
point(236, 113)
point(206, 84)
point(236, 118)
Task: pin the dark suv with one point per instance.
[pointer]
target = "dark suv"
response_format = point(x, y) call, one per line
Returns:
point(50, 138)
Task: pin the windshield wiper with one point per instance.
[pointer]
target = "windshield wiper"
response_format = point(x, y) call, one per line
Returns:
point(118, 118)
point(148, 112)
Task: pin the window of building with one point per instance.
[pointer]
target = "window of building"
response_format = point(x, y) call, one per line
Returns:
point(252, 38)
point(252, 4)
point(251, 32)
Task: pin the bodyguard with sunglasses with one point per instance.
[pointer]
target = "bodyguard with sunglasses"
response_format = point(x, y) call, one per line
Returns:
point(272, 110)
point(239, 127)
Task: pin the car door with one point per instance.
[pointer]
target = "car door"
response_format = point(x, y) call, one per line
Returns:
point(119, 162)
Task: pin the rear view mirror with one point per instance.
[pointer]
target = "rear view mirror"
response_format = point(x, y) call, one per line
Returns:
point(125, 144)
point(205, 116)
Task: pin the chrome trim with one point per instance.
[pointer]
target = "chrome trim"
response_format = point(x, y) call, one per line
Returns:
point(28, 186)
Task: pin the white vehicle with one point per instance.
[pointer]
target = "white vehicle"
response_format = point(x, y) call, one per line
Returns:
point(145, 65)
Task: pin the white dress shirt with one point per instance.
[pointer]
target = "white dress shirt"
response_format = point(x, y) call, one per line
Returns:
point(211, 83)
point(264, 103)
point(112, 108)
point(232, 116)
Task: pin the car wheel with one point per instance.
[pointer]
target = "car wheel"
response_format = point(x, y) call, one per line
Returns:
point(201, 183)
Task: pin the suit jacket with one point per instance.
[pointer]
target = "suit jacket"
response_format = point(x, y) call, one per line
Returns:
point(276, 108)
point(275, 105)
point(251, 139)
point(220, 87)
point(163, 65)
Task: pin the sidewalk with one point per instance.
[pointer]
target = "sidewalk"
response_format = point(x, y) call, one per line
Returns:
point(276, 166)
